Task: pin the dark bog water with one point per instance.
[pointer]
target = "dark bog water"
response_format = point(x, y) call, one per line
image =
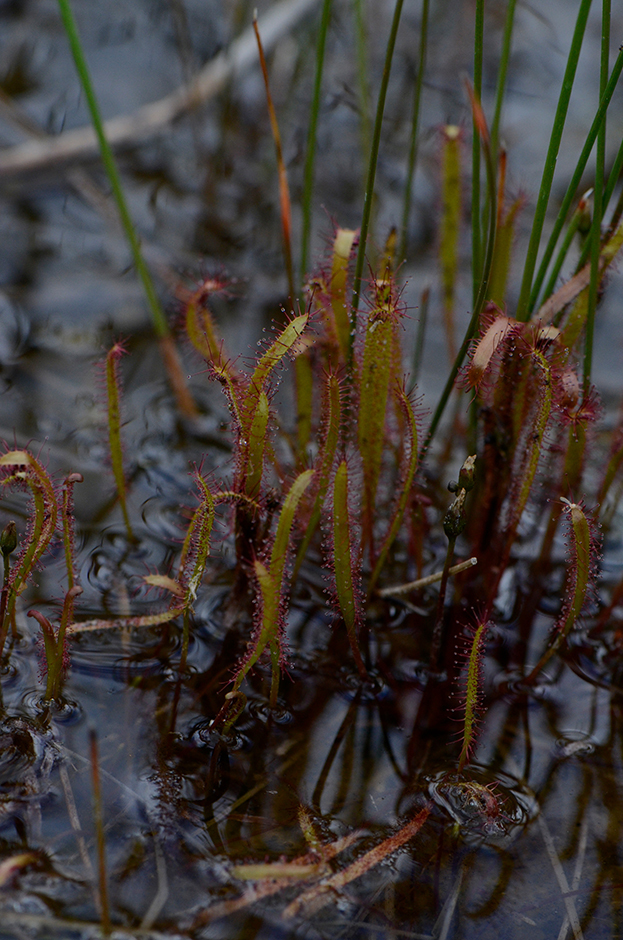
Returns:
point(530, 845)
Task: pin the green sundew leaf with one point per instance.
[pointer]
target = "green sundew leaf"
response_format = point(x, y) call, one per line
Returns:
point(502, 254)
point(255, 447)
point(405, 489)
point(582, 549)
point(114, 428)
point(223, 374)
point(50, 648)
point(374, 389)
point(304, 401)
point(197, 544)
point(67, 509)
point(28, 470)
point(342, 561)
point(324, 463)
point(284, 526)
point(270, 580)
point(581, 564)
point(270, 618)
point(472, 693)
point(450, 226)
point(342, 250)
point(284, 343)
point(201, 331)
point(535, 439)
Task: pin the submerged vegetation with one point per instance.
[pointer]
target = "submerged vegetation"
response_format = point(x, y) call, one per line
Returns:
point(359, 606)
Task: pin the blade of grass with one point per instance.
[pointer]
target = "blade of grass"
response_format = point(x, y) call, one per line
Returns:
point(374, 153)
point(597, 204)
point(598, 123)
point(310, 156)
point(159, 320)
point(502, 73)
point(523, 309)
point(284, 190)
point(476, 234)
point(415, 121)
point(362, 75)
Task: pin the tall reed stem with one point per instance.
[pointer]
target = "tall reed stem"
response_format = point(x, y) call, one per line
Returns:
point(159, 320)
point(476, 235)
point(523, 310)
point(415, 123)
point(310, 156)
point(374, 153)
point(597, 203)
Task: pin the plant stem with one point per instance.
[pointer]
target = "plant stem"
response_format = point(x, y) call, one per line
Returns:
point(284, 191)
point(374, 153)
point(310, 156)
point(362, 75)
point(598, 123)
point(159, 320)
point(598, 203)
point(476, 239)
point(482, 291)
point(502, 73)
point(523, 309)
point(415, 120)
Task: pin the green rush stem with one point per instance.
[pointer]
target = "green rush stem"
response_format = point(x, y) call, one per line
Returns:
point(597, 203)
point(98, 818)
point(157, 313)
point(476, 234)
point(599, 123)
point(362, 74)
point(562, 254)
point(523, 308)
point(502, 73)
point(478, 306)
point(374, 153)
point(615, 172)
point(415, 121)
point(435, 649)
point(310, 156)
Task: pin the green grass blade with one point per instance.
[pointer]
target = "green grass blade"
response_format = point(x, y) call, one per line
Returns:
point(310, 156)
point(596, 126)
point(404, 491)
point(477, 260)
point(415, 122)
point(597, 204)
point(374, 154)
point(523, 309)
point(159, 319)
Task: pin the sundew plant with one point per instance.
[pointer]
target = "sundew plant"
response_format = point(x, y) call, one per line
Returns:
point(353, 647)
